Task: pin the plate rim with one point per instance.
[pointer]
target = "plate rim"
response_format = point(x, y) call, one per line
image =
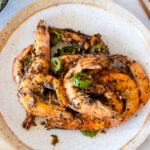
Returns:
point(40, 5)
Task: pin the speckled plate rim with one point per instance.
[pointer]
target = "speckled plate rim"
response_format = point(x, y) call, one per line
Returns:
point(39, 5)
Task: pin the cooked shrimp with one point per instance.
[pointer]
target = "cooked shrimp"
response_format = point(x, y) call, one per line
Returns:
point(128, 89)
point(32, 97)
point(117, 64)
point(80, 40)
point(42, 50)
point(79, 101)
point(36, 83)
point(139, 75)
point(42, 43)
point(109, 94)
point(102, 91)
point(30, 60)
point(19, 63)
point(142, 82)
point(83, 122)
point(71, 60)
point(34, 103)
point(35, 106)
point(40, 82)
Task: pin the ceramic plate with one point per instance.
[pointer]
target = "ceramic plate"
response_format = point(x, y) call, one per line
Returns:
point(123, 34)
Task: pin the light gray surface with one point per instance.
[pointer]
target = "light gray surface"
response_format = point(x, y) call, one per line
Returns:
point(133, 6)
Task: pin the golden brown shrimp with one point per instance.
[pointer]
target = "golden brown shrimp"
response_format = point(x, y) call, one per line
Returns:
point(117, 64)
point(142, 82)
point(40, 82)
point(35, 106)
point(118, 82)
point(71, 60)
point(79, 101)
point(34, 103)
point(24, 58)
point(41, 58)
point(139, 75)
point(102, 90)
point(108, 102)
point(128, 91)
point(83, 122)
point(31, 60)
point(42, 44)
point(59, 117)
point(80, 40)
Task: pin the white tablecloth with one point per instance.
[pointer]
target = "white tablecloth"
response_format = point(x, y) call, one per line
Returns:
point(15, 5)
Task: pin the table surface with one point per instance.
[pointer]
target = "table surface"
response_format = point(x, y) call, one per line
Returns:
point(14, 6)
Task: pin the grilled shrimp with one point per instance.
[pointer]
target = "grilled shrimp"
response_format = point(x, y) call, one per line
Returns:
point(128, 91)
point(116, 64)
point(42, 50)
point(21, 64)
point(35, 106)
point(38, 84)
point(142, 82)
point(80, 40)
point(83, 122)
point(135, 70)
point(42, 43)
point(81, 102)
point(34, 103)
point(32, 88)
point(33, 59)
point(120, 86)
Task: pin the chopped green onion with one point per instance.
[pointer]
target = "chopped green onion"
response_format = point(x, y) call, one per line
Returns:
point(47, 121)
point(56, 37)
point(105, 49)
point(89, 133)
point(68, 50)
point(80, 80)
point(28, 60)
point(56, 64)
point(98, 46)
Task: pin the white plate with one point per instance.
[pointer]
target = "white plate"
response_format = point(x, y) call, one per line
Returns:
point(123, 33)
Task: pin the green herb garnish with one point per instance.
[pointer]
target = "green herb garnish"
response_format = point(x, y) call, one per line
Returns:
point(89, 133)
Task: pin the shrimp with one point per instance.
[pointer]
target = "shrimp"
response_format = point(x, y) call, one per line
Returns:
point(70, 61)
point(42, 43)
point(40, 82)
point(33, 59)
point(34, 103)
point(142, 82)
point(19, 63)
point(42, 50)
point(138, 74)
point(123, 83)
point(117, 64)
point(80, 102)
point(128, 89)
point(80, 40)
point(82, 122)
point(32, 88)
point(120, 86)
point(35, 106)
